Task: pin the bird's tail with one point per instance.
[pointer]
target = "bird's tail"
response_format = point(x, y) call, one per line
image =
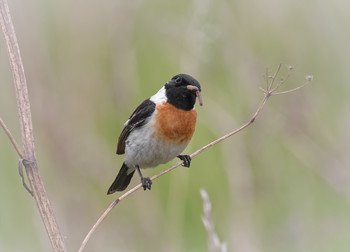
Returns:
point(122, 180)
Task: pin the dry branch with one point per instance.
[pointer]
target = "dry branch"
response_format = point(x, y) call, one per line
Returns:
point(25, 118)
point(271, 89)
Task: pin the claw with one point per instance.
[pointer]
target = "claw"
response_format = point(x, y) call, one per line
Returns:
point(187, 160)
point(146, 183)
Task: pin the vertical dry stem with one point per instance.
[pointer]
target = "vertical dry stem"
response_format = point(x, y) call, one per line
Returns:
point(25, 119)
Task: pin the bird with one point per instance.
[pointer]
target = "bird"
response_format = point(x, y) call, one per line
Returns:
point(158, 130)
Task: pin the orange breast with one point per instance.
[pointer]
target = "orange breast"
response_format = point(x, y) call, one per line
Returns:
point(175, 124)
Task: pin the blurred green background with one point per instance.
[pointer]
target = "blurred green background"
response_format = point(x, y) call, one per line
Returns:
point(283, 184)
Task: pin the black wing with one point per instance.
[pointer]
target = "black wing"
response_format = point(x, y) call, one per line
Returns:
point(137, 119)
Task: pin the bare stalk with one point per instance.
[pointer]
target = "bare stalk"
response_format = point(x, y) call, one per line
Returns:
point(214, 243)
point(269, 91)
point(25, 118)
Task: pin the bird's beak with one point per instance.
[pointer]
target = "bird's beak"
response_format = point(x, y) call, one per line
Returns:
point(198, 93)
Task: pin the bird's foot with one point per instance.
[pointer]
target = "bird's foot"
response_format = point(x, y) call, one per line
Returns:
point(146, 183)
point(187, 160)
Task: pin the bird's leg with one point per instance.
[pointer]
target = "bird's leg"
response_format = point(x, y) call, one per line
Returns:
point(146, 182)
point(187, 160)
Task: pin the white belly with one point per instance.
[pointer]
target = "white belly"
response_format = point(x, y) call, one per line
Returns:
point(143, 148)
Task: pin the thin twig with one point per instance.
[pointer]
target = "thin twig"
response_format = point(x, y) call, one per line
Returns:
point(12, 139)
point(282, 81)
point(273, 77)
point(268, 92)
point(105, 213)
point(267, 78)
point(25, 120)
point(291, 90)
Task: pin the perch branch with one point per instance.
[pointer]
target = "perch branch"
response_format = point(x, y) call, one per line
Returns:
point(23, 105)
point(269, 91)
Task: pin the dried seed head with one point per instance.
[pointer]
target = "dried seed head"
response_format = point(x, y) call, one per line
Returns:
point(309, 77)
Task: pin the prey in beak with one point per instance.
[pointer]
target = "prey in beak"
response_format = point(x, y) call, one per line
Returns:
point(198, 93)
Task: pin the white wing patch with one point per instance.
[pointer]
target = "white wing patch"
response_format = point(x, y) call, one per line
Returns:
point(159, 97)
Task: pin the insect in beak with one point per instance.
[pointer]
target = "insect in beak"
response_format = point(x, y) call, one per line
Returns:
point(198, 93)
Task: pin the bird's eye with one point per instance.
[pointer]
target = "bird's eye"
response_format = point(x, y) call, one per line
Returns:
point(178, 80)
